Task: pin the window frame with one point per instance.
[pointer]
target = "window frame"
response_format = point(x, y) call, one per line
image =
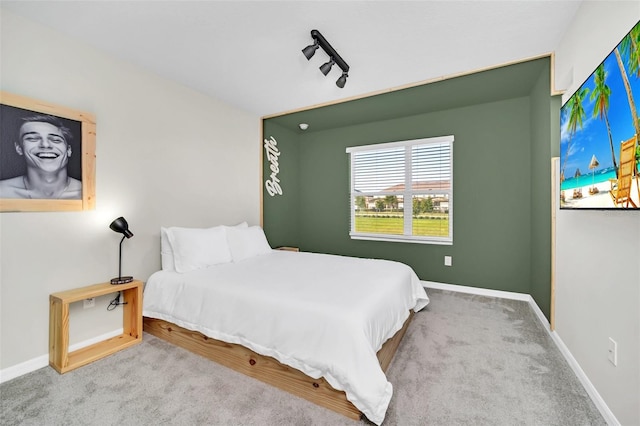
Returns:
point(408, 193)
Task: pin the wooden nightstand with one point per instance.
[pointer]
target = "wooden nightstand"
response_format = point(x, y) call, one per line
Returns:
point(59, 356)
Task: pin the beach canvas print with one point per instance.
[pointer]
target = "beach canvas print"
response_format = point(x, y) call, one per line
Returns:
point(599, 149)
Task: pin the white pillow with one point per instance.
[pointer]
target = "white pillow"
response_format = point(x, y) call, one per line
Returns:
point(195, 248)
point(240, 225)
point(166, 251)
point(247, 242)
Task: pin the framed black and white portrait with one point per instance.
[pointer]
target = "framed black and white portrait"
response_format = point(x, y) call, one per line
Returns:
point(47, 156)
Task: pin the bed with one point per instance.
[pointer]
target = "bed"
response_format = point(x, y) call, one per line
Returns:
point(323, 327)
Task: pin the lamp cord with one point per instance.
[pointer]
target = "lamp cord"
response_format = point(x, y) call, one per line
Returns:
point(115, 302)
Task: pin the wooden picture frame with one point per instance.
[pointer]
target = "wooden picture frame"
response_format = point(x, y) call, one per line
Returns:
point(81, 126)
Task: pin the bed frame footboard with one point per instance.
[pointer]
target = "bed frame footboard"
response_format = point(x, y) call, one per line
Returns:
point(267, 369)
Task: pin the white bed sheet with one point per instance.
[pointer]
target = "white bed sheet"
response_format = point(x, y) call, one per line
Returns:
point(322, 314)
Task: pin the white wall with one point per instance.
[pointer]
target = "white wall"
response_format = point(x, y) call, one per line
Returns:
point(598, 252)
point(166, 155)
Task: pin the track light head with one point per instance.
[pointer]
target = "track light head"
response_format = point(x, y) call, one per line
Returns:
point(342, 80)
point(326, 67)
point(310, 50)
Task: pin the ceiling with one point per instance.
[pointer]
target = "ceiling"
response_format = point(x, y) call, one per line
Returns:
point(248, 53)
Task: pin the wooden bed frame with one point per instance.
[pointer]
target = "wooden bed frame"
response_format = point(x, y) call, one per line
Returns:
point(267, 369)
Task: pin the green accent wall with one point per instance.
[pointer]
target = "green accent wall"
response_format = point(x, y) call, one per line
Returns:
point(504, 141)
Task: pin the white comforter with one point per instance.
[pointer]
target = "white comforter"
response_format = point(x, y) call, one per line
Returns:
point(322, 314)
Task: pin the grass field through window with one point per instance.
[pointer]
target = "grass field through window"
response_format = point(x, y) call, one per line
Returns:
point(422, 226)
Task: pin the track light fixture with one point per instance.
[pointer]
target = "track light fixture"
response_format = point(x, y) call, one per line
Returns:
point(334, 58)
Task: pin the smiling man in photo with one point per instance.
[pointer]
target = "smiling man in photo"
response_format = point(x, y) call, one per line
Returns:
point(44, 143)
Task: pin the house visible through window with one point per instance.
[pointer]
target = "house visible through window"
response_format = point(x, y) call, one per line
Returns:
point(403, 191)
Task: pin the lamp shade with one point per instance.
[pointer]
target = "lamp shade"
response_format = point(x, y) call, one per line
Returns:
point(342, 80)
point(326, 67)
point(120, 225)
point(310, 50)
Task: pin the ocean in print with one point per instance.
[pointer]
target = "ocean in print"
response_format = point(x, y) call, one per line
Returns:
point(587, 179)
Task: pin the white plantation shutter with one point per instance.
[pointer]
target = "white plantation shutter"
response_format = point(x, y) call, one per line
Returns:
point(376, 171)
point(403, 191)
point(431, 163)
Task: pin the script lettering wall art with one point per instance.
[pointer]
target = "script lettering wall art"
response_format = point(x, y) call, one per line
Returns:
point(272, 184)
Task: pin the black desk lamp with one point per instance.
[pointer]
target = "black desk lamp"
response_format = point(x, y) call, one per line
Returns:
point(120, 225)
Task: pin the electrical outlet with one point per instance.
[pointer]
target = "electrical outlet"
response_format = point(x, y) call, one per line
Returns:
point(613, 352)
point(447, 261)
point(89, 303)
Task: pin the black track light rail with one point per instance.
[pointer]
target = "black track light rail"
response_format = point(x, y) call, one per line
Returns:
point(329, 50)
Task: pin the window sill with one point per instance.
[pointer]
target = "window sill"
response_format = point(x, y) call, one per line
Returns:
point(402, 239)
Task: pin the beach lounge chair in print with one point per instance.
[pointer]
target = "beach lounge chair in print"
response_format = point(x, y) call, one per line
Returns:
point(621, 187)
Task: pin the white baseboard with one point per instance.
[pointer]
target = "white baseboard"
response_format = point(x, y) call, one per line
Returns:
point(608, 415)
point(23, 368)
point(476, 290)
point(43, 360)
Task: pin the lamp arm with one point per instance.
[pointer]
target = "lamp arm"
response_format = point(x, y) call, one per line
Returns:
point(120, 258)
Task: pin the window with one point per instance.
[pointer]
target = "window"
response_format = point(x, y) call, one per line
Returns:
point(403, 191)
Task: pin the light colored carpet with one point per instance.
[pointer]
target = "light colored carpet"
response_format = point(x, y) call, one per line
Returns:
point(465, 360)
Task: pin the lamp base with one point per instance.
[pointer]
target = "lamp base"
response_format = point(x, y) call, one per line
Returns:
point(121, 280)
